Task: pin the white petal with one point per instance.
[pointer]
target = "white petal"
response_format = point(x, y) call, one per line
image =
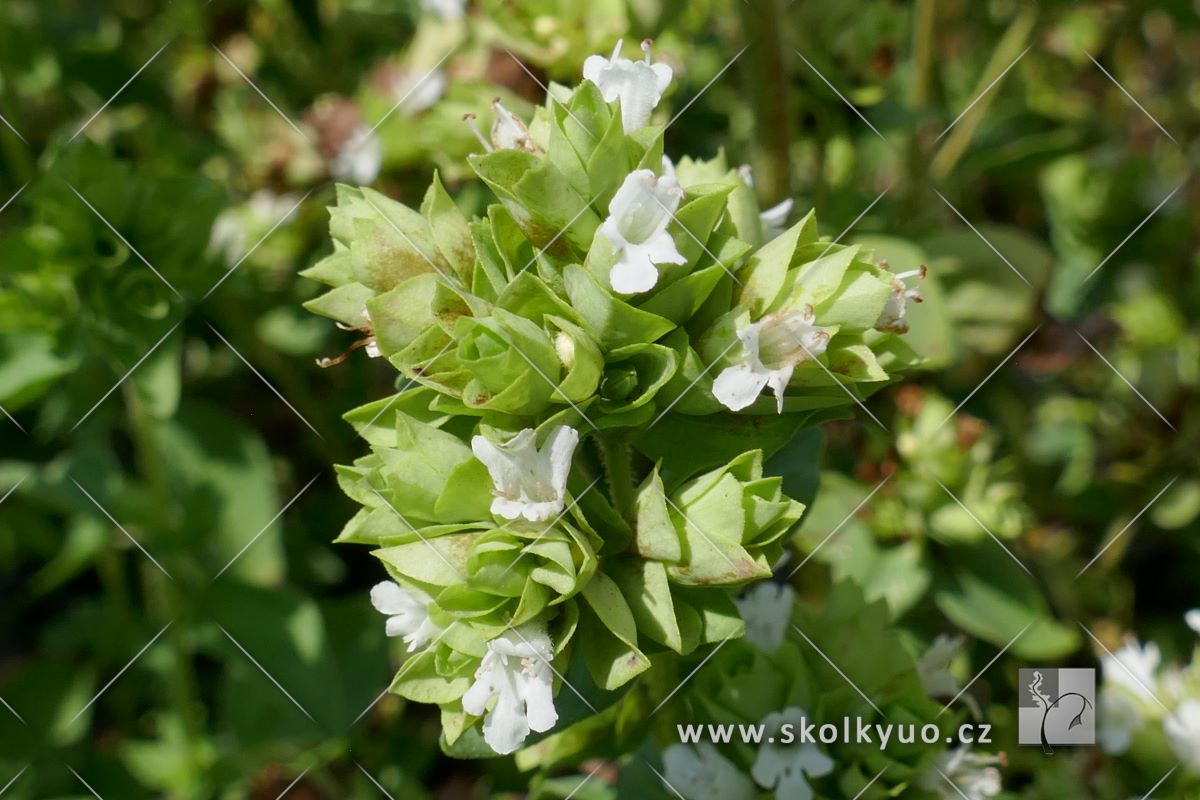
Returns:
point(537, 511)
point(793, 785)
point(476, 699)
point(537, 690)
point(633, 274)
point(592, 67)
point(776, 215)
point(561, 445)
point(1192, 618)
point(506, 727)
point(660, 249)
point(389, 598)
point(509, 509)
point(812, 761)
point(766, 610)
point(738, 386)
point(499, 464)
point(662, 77)
point(778, 379)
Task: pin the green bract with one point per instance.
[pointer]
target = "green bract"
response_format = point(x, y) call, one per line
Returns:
point(571, 482)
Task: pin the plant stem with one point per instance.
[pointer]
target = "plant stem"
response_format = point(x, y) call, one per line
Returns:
point(164, 596)
point(763, 25)
point(618, 468)
point(1012, 44)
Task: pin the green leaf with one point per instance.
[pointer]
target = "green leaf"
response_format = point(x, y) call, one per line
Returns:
point(763, 275)
point(611, 320)
point(609, 638)
point(644, 584)
point(450, 229)
point(991, 597)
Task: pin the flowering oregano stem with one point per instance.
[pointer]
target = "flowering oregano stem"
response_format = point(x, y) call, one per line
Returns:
point(618, 470)
point(765, 72)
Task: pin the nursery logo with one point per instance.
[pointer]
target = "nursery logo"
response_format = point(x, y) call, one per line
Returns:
point(1057, 707)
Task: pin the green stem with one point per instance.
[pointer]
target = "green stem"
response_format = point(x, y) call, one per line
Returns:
point(764, 24)
point(618, 468)
point(165, 597)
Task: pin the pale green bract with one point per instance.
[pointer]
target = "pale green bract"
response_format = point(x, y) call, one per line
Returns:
point(557, 490)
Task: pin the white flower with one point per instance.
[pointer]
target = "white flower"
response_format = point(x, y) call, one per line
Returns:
point(974, 775)
point(787, 767)
point(233, 227)
point(1133, 668)
point(359, 159)
point(1183, 733)
point(638, 84)
point(529, 482)
point(702, 773)
point(774, 218)
point(766, 609)
point(1192, 618)
point(636, 227)
point(934, 666)
point(446, 9)
point(413, 88)
point(1117, 720)
point(892, 318)
point(408, 611)
point(508, 132)
point(773, 347)
point(516, 671)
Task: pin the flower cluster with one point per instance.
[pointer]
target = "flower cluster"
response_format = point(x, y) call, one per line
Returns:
point(574, 477)
point(1142, 700)
point(777, 676)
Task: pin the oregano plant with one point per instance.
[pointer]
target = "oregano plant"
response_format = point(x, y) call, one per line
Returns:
point(573, 483)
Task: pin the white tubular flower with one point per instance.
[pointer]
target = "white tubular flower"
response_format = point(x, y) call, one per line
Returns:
point(1192, 618)
point(446, 9)
point(974, 775)
point(892, 318)
point(786, 768)
point(408, 613)
point(774, 346)
point(1182, 728)
point(702, 773)
point(359, 159)
point(508, 132)
point(1133, 667)
point(767, 610)
point(636, 227)
point(516, 671)
point(1117, 720)
point(529, 482)
point(774, 219)
point(638, 84)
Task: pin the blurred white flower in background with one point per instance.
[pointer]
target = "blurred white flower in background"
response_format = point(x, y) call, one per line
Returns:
point(767, 610)
point(702, 773)
point(359, 159)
